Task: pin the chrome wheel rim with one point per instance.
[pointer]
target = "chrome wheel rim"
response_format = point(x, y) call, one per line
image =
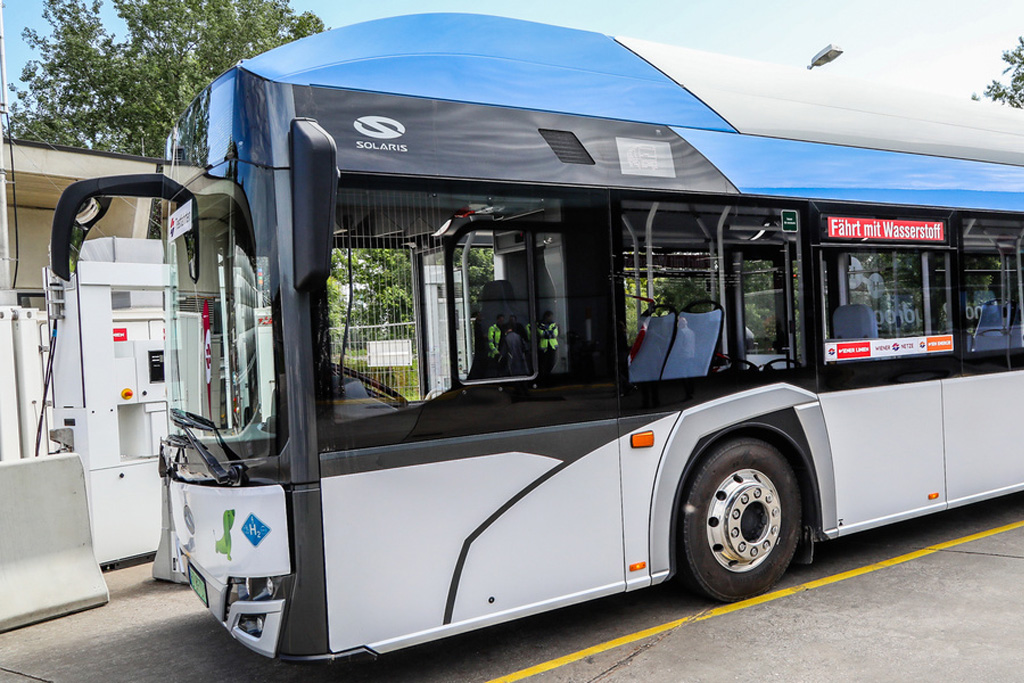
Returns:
point(743, 520)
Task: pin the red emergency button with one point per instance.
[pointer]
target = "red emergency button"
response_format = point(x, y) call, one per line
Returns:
point(127, 394)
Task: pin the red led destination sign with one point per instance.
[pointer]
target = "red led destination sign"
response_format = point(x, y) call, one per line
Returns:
point(845, 228)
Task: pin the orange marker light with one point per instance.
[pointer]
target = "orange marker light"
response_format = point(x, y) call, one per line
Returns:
point(932, 496)
point(637, 566)
point(642, 440)
point(127, 394)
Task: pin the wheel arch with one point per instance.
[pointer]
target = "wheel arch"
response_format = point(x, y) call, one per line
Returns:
point(780, 415)
point(781, 430)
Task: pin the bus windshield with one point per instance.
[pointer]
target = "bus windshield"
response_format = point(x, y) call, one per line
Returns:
point(220, 331)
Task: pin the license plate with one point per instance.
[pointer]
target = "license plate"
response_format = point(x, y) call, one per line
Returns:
point(198, 584)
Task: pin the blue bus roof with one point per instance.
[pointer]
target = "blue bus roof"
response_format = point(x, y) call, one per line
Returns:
point(489, 60)
point(771, 130)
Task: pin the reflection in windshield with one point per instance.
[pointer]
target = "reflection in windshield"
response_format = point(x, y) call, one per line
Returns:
point(221, 339)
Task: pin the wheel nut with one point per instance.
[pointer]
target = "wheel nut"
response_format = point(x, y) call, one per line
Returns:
point(768, 498)
point(735, 514)
point(741, 547)
point(766, 545)
point(753, 551)
point(735, 533)
point(775, 531)
point(745, 499)
point(757, 493)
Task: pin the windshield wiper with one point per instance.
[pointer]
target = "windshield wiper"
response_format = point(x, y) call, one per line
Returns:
point(187, 422)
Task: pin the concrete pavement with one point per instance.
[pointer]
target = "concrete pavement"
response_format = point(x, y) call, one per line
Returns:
point(952, 615)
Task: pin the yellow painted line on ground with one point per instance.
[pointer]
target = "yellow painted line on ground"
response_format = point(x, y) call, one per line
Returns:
point(759, 600)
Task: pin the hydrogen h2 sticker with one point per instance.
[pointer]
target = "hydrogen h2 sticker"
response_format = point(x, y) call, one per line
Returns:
point(255, 530)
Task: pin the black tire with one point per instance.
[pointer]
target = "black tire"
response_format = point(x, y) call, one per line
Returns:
point(728, 546)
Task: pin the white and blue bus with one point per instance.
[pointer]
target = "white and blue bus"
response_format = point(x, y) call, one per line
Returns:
point(472, 318)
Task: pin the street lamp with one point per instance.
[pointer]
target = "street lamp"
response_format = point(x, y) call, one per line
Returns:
point(826, 55)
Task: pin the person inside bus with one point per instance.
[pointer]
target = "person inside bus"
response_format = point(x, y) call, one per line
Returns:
point(494, 335)
point(513, 351)
point(478, 370)
point(547, 342)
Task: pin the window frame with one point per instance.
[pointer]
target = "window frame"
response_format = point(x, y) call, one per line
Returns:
point(452, 243)
point(824, 279)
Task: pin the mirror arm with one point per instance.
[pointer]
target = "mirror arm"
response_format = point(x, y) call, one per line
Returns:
point(155, 185)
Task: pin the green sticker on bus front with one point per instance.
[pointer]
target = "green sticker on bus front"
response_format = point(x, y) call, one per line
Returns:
point(789, 220)
point(198, 584)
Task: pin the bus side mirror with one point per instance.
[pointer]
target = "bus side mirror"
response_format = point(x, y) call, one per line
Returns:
point(314, 194)
point(68, 230)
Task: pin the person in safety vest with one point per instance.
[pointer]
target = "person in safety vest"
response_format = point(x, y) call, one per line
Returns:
point(547, 342)
point(494, 335)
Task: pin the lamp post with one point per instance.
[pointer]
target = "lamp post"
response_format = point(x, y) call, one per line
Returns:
point(827, 54)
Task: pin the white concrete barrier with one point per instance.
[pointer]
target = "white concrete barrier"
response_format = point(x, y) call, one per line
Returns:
point(47, 565)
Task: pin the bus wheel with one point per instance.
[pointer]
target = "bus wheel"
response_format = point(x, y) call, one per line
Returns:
point(740, 521)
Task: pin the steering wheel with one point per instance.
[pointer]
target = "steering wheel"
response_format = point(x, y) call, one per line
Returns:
point(787, 360)
point(731, 363)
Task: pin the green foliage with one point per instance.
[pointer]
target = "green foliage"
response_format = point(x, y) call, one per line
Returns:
point(381, 289)
point(382, 309)
point(89, 89)
point(892, 284)
point(480, 265)
point(1012, 94)
point(676, 292)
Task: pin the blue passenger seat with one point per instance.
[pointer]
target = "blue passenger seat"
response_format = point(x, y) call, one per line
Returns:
point(649, 357)
point(697, 336)
point(991, 334)
point(854, 321)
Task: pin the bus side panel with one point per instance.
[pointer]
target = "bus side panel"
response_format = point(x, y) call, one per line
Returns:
point(563, 538)
point(705, 420)
point(639, 467)
point(887, 451)
point(392, 539)
point(984, 433)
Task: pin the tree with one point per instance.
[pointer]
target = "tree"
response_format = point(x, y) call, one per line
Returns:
point(89, 89)
point(1012, 94)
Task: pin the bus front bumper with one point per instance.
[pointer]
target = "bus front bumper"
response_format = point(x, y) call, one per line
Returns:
point(255, 623)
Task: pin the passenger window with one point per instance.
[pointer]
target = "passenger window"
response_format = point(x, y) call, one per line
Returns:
point(886, 303)
point(992, 285)
point(432, 291)
point(707, 288)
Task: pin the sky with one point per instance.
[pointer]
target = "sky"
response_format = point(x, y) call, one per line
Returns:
point(953, 47)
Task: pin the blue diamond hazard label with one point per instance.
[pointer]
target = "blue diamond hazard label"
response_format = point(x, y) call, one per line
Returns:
point(255, 530)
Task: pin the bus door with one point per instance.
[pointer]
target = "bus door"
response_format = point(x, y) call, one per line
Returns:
point(983, 429)
point(888, 340)
point(711, 308)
